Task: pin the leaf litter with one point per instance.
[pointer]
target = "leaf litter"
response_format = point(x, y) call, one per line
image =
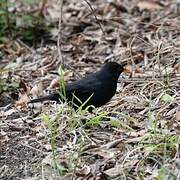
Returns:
point(137, 136)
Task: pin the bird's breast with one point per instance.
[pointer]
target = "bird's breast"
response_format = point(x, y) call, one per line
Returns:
point(102, 96)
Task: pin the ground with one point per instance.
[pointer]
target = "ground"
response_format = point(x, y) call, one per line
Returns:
point(135, 135)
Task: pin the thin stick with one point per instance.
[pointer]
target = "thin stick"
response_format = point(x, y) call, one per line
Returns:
point(94, 15)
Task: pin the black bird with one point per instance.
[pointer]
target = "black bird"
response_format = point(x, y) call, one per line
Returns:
point(95, 89)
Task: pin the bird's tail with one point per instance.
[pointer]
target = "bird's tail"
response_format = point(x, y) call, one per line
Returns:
point(51, 97)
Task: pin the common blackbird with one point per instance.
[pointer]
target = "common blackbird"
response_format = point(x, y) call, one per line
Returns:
point(95, 89)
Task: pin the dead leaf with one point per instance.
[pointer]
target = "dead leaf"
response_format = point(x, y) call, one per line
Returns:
point(8, 112)
point(3, 138)
point(54, 84)
point(177, 68)
point(24, 86)
point(129, 69)
point(22, 101)
point(36, 90)
point(138, 75)
point(102, 153)
point(84, 171)
point(113, 143)
point(177, 126)
point(149, 5)
point(134, 140)
point(114, 172)
point(177, 117)
point(15, 127)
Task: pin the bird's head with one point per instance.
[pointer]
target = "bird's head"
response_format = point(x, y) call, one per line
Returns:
point(113, 69)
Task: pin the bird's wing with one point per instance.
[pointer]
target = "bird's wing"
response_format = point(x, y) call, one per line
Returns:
point(84, 87)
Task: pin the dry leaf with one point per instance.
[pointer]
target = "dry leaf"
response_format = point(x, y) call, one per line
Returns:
point(177, 127)
point(36, 90)
point(113, 144)
point(149, 5)
point(114, 172)
point(177, 68)
point(177, 117)
point(54, 83)
point(22, 101)
point(129, 69)
point(24, 86)
point(83, 171)
point(138, 75)
point(3, 138)
point(102, 153)
point(8, 112)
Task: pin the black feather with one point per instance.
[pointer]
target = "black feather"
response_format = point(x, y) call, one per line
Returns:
point(100, 86)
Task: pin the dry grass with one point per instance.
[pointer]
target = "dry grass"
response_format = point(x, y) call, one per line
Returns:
point(134, 136)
